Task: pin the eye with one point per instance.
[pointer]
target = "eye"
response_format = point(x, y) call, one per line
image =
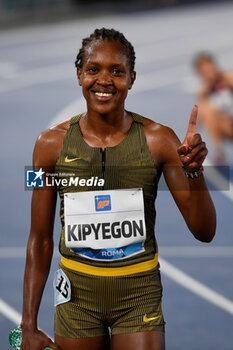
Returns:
point(117, 71)
point(92, 70)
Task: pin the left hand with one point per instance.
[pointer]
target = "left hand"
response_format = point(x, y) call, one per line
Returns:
point(193, 150)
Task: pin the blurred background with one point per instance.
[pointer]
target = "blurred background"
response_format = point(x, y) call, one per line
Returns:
point(39, 41)
point(28, 11)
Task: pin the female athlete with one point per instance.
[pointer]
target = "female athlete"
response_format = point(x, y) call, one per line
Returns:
point(109, 272)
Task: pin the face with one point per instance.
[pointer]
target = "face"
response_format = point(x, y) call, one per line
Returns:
point(208, 71)
point(105, 77)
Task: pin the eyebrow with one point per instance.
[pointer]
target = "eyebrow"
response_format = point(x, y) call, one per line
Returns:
point(98, 64)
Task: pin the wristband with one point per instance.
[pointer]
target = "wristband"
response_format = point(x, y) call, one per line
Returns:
point(194, 174)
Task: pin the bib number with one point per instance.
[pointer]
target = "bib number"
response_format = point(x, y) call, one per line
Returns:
point(62, 288)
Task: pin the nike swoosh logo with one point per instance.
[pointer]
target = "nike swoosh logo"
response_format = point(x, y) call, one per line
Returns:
point(148, 319)
point(68, 160)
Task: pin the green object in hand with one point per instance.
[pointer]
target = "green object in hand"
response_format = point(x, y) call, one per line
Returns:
point(15, 338)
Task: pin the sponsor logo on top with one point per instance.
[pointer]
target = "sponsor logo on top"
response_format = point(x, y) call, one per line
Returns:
point(103, 203)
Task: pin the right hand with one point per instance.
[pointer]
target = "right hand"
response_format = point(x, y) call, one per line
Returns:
point(193, 150)
point(36, 340)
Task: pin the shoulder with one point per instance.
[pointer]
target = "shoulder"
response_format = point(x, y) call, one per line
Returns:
point(157, 131)
point(49, 144)
point(53, 134)
point(161, 140)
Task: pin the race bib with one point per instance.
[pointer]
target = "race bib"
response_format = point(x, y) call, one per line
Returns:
point(105, 225)
point(62, 288)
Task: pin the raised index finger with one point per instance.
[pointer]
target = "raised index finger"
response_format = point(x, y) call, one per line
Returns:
point(192, 123)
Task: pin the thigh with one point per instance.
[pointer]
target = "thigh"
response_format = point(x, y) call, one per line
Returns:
point(93, 343)
point(149, 340)
point(139, 305)
point(83, 315)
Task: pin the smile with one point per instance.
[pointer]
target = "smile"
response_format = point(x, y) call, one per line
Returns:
point(103, 95)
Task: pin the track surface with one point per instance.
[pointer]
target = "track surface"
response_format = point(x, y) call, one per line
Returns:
point(38, 87)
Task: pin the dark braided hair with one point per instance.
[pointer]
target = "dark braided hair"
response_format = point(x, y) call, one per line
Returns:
point(108, 35)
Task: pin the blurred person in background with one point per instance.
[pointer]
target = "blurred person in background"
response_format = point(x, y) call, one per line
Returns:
point(215, 102)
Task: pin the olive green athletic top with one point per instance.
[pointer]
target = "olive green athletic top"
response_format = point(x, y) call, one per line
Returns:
point(126, 165)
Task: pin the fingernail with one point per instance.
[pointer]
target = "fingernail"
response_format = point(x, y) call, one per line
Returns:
point(189, 149)
point(186, 160)
point(184, 148)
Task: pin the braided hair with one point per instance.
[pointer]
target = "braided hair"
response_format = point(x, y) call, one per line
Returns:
point(108, 35)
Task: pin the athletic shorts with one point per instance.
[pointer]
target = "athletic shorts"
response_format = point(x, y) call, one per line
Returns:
point(126, 304)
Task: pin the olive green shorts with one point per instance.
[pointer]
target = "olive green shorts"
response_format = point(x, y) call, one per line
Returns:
point(126, 304)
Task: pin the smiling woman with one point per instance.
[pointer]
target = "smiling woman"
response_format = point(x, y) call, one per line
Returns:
point(105, 77)
point(105, 69)
point(109, 273)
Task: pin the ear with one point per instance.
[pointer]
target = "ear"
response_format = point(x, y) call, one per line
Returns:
point(79, 76)
point(132, 79)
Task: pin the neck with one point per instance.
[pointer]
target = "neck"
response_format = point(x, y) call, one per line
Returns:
point(105, 124)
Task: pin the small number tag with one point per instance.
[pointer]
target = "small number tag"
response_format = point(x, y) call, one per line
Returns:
point(62, 288)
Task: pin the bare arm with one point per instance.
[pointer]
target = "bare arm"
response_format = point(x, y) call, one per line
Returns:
point(40, 243)
point(191, 195)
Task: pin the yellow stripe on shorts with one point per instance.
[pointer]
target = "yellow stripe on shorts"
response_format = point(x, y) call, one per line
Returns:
point(110, 271)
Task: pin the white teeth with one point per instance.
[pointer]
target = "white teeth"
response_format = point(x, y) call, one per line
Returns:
point(103, 94)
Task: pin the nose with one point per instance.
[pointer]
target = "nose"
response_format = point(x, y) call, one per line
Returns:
point(104, 78)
